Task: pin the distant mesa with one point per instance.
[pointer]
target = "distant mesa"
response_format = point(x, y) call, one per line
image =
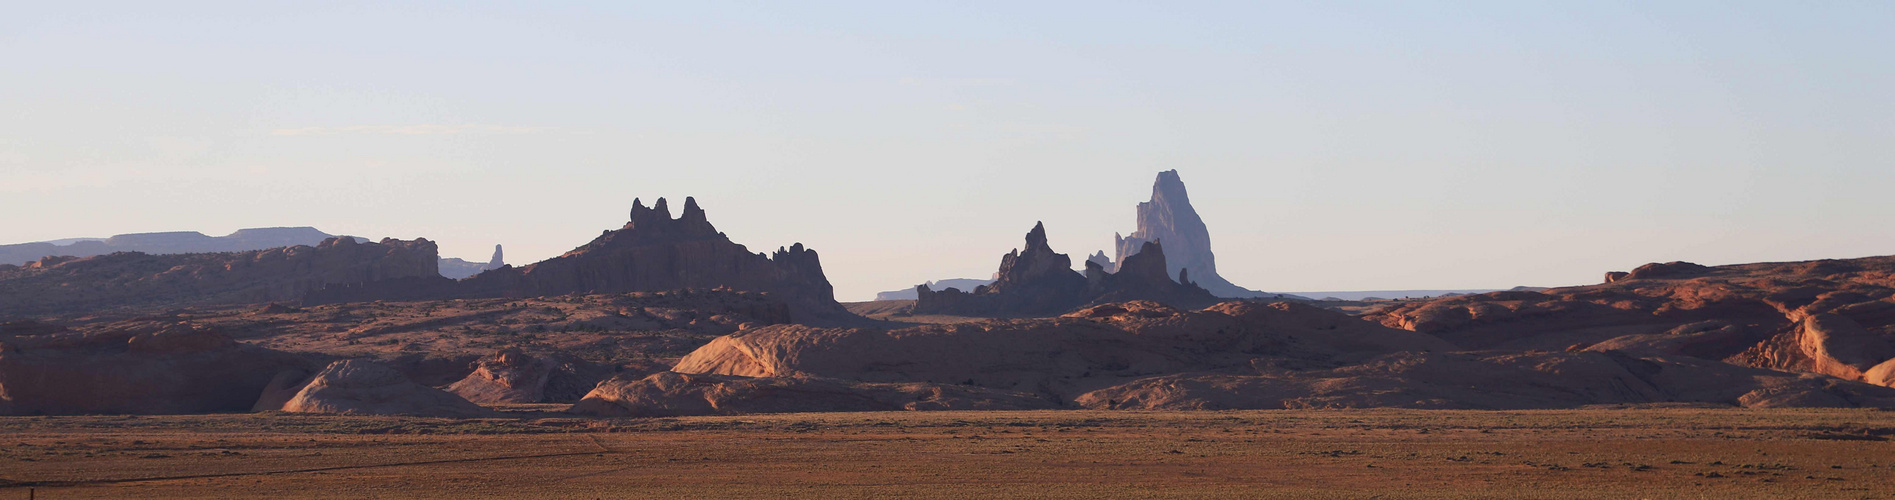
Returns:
point(55, 285)
point(1039, 281)
point(1169, 218)
point(178, 242)
point(956, 283)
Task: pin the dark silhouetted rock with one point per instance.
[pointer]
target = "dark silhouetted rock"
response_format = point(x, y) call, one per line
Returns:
point(1036, 281)
point(1169, 218)
point(452, 268)
point(652, 252)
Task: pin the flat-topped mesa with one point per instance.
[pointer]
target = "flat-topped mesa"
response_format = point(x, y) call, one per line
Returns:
point(1038, 281)
point(285, 274)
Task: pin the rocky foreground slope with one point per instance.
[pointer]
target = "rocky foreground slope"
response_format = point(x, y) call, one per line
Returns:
point(1143, 355)
point(1829, 317)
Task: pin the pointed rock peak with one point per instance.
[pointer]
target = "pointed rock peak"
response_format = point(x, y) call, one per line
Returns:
point(498, 258)
point(638, 207)
point(691, 208)
point(1037, 237)
point(661, 208)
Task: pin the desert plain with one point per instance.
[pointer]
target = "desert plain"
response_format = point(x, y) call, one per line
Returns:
point(1653, 452)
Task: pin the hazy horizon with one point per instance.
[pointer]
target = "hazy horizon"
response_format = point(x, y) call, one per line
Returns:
point(1373, 146)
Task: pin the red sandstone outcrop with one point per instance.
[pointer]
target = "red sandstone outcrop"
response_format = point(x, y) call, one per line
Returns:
point(513, 376)
point(1830, 317)
point(362, 387)
point(667, 394)
point(143, 368)
point(1036, 281)
point(1235, 355)
point(91, 284)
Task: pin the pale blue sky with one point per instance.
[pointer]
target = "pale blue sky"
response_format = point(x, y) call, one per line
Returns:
point(1329, 146)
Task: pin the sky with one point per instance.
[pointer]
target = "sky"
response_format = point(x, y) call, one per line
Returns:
point(1328, 145)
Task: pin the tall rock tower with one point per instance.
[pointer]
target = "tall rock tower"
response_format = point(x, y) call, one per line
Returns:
point(1169, 219)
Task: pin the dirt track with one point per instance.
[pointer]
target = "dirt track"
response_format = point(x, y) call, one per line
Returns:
point(1687, 453)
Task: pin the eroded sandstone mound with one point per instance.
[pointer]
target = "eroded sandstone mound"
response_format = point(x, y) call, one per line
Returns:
point(1037, 281)
point(56, 285)
point(667, 394)
point(514, 376)
point(1831, 317)
point(362, 387)
point(146, 367)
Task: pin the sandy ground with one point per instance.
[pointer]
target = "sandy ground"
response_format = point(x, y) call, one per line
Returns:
point(1618, 453)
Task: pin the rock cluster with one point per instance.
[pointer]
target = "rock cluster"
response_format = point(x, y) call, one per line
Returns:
point(1036, 280)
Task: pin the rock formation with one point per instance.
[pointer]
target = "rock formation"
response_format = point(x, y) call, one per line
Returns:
point(909, 293)
point(362, 387)
point(1235, 355)
point(147, 367)
point(1038, 281)
point(652, 252)
point(1831, 317)
point(98, 283)
point(1169, 218)
point(672, 394)
point(513, 376)
point(453, 268)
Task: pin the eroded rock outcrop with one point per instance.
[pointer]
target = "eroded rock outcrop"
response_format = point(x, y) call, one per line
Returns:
point(150, 367)
point(514, 376)
point(667, 394)
point(1037, 281)
point(91, 284)
point(652, 252)
point(1830, 317)
point(1169, 218)
point(363, 387)
point(1235, 355)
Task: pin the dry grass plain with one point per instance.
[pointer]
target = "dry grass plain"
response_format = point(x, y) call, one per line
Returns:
point(1604, 453)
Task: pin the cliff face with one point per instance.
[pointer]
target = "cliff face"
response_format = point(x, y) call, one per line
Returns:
point(70, 284)
point(1038, 281)
point(652, 252)
point(1169, 218)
